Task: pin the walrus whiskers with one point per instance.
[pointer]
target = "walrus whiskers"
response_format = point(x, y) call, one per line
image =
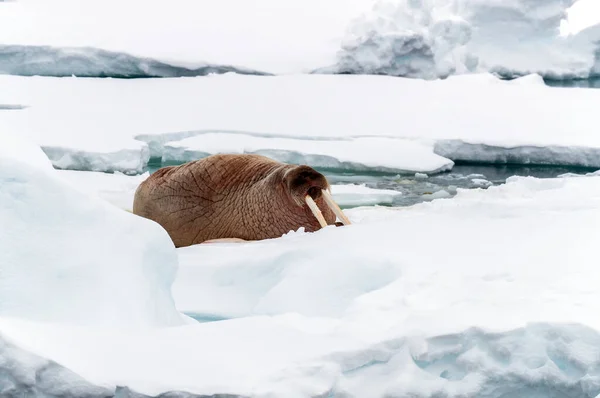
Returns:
point(315, 210)
point(334, 207)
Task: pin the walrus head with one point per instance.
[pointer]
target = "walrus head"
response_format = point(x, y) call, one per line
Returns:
point(305, 186)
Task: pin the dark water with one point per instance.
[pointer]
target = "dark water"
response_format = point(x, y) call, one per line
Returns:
point(420, 188)
point(581, 83)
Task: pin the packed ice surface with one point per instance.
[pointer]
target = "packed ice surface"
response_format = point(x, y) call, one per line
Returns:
point(401, 37)
point(68, 257)
point(338, 313)
point(92, 124)
point(119, 189)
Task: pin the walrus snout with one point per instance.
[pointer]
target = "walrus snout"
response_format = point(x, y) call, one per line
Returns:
point(306, 185)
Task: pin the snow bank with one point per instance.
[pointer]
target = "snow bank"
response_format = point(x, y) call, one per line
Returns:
point(425, 39)
point(349, 316)
point(76, 119)
point(68, 257)
point(445, 286)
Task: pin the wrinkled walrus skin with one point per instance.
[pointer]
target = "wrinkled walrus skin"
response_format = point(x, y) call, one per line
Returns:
point(249, 197)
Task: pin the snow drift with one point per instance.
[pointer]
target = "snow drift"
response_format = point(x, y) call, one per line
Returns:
point(68, 257)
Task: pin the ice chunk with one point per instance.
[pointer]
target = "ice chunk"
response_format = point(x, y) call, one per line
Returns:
point(481, 182)
point(362, 153)
point(130, 161)
point(441, 194)
point(69, 257)
point(510, 153)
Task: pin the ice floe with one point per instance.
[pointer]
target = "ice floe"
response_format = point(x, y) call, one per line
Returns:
point(112, 124)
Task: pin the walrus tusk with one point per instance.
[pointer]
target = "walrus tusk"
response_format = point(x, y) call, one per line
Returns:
point(315, 210)
point(335, 208)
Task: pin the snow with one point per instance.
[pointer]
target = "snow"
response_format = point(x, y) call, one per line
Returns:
point(426, 39)
point(93, 123)
point(115, 188)
point(337, 312)
point(67, 257)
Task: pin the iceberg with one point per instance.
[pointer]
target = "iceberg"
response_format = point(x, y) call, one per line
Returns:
point(409, 125)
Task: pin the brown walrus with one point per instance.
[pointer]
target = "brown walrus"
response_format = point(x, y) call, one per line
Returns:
point(246, 197)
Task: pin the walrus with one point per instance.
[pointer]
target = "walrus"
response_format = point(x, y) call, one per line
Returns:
point(236, 198)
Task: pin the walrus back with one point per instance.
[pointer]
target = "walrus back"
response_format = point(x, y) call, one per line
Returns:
point(203, 199)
